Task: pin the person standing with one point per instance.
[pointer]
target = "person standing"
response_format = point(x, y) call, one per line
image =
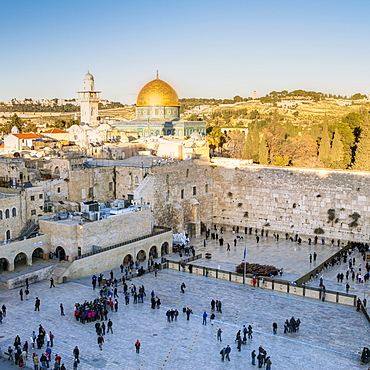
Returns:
point(219, 332)
point(137, 346)
point(314, 256)
point(61, 310)
point(188, 312)
point(75, 364)
point(347, 287)
point(204, 318)
point(76, 353)
point(268, 363)
point(36, 362)
point(253, 355)
point(110, 326)
point(274, 327)
point(310, 258)
point(52, 283)
point(51, 336)
point(212, 318)
point(222, 353)
point(227, 352)
point(183, 286)
point(21, 294)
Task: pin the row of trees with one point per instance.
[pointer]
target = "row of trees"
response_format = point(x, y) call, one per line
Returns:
point(339, 145)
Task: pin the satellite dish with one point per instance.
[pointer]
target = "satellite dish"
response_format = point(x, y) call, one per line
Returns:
point(48, 193)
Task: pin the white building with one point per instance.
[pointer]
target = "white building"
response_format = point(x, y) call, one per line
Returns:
point(89, 101)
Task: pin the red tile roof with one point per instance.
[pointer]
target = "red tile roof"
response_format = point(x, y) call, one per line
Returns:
point(54, 131)
point(27, 136)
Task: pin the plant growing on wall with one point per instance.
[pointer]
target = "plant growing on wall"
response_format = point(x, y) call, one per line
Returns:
point(355, 217)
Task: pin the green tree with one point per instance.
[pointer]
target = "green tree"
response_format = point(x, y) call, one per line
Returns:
point(250, 150)
point(263, 152)
point(324, 150)
point(362, 160)
point(336, 152)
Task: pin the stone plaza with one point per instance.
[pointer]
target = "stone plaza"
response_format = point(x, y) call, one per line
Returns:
point(330, 335)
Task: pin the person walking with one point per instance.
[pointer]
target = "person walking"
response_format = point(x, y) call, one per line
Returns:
point(310, 258)
point(268, 363)
point(100, 342)
point(347, 287)
point(52, 283)
point(183, 286)
point(61, 310)
point(219, 333)
point(223, 353)
point(37, 304)
point(212, 318)
point(21, 294)
point(75, 364)
point(227, 352)
point(137, 346)
point(26, 292)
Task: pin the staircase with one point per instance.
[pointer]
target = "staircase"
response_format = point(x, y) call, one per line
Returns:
point(30, 229)
point(58, 271)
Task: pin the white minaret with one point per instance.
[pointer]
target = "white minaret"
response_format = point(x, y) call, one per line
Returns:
point(89, 101)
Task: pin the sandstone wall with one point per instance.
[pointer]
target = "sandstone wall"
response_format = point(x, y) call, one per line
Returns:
point(293, 200)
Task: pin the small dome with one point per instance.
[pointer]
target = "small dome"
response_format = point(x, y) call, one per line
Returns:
point(157, 93)
point(89, 76)
point(196, 136)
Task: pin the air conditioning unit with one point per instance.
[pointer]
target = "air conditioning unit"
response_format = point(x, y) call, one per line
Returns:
point(94, 216)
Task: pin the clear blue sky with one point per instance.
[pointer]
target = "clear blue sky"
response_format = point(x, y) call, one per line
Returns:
point(202, 48)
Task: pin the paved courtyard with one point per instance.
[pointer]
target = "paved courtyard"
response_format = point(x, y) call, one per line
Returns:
point(329, 337)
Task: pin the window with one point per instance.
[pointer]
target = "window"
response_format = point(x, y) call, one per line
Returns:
point(182, 193)
point(83, 193)
point(136, 180)
point(187, 173)
point(33, 212)
point(206, 189)
point(1, 215)
point(111, 186)
point(14, 212)
point(91, 192)
point(7, 213)
point(58, 190)
point(167, 195)
point(167, 179)
point(41, 196)
point(194, 190)
point(7, 234)
point(32, 197)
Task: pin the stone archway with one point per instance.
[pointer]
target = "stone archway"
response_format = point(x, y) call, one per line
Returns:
point(164, 249)
point(4, 264)
point(141, 256)
point(56, 173)
point(20, 260)
point(60, 253)
point(128, 258)
point(153, 252)
point(37, 254)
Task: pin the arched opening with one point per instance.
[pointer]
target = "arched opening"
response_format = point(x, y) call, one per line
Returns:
point(7, 213)
point(141, 256)
point(8, 235)
point(127, 259)
point(56, 172)
point(4, 264)
point(1, 215)
point(60, 253)
point(136, 180)
point(37, 254)
point(153, 253)
point(14, 212)
point(20, 260)
point(164, 249)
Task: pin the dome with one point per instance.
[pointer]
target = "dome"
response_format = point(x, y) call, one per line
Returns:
point(157, 93)
point(88, 76)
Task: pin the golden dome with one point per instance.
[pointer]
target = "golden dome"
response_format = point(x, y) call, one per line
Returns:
point(157, 93)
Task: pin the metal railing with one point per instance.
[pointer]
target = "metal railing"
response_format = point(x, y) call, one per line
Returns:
point(162, 231)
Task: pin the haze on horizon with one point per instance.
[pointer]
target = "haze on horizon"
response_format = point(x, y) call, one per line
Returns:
point(202, 48)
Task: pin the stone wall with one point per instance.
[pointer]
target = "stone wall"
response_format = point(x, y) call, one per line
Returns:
point(70, 235)
point(180, 193)
point(112, 258)
point(294, 200)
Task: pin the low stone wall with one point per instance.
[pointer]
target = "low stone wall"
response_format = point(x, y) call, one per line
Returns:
point(33, 277)
point(112, 258)
point(265, 283)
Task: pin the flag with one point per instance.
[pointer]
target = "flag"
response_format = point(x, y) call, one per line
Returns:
point(245, 252)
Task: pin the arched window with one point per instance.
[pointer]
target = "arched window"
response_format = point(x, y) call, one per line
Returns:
point(7, 235)
point(187, 172)
point(7, 213)
point(136, 180)
point(14, 212)
point(1, 215)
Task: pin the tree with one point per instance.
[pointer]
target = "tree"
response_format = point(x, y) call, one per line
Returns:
point(301, 151)
point(336, 151)
point(250, 150)
point(263, 152)
point(236, 143)
point(362, 160)
point(324, 150)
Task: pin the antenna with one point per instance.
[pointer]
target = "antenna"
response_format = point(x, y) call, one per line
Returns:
point(157, 74)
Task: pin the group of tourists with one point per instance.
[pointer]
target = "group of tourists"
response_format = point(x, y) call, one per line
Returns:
point(290, 326)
